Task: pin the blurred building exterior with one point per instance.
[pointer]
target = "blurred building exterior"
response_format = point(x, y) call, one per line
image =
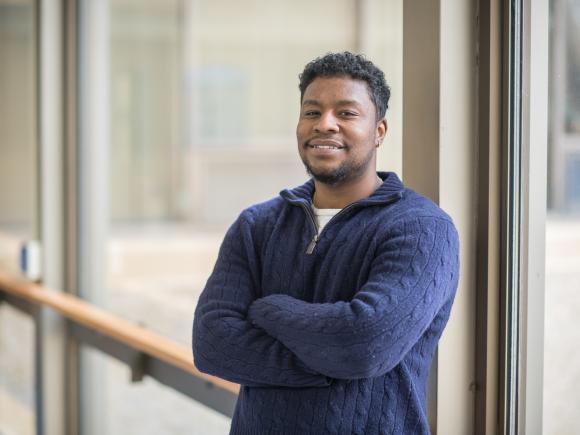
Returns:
point(564, 185)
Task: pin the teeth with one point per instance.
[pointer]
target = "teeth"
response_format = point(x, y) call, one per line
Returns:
point(325, 147)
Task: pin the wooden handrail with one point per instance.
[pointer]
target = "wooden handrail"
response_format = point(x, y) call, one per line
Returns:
point(108, 324)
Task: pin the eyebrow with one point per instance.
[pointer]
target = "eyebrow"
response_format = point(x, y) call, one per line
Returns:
point(310, 102)
point(340, 103)
point(348, 103)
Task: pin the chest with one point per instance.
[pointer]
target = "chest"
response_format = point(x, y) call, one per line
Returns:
point(338, 266)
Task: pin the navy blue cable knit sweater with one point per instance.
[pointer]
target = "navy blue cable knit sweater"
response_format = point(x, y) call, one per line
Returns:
point(331, 334)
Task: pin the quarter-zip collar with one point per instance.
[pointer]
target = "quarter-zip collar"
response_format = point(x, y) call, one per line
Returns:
point(388, 192)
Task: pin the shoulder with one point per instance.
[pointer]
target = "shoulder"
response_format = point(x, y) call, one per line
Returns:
point(415, 213)
point(263, 212)
point(255, 223)
point(414, 207)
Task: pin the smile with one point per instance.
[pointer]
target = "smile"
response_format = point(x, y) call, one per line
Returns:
point(325, 145)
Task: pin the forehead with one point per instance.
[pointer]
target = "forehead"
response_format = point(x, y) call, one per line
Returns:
point(327, 90)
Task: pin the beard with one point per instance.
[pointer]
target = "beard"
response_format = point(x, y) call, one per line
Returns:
point(347, 171)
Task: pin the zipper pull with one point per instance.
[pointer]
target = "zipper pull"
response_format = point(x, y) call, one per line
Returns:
point(312, 245)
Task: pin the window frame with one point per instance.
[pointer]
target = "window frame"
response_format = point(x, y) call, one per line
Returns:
point(523, 216)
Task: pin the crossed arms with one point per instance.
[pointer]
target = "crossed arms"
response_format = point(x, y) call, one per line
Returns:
point(279, 340)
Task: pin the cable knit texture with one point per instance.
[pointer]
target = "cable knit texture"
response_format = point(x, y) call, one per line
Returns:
point(339, 341)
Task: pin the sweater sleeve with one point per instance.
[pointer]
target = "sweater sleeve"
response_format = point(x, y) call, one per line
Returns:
point(224, 342)
point(413, 275)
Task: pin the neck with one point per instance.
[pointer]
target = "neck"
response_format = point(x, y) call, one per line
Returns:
point(327, 196)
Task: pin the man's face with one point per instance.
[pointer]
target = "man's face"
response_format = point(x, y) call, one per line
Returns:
point(337, 130)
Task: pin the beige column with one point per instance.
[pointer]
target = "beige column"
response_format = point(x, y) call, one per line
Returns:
point(439, 161)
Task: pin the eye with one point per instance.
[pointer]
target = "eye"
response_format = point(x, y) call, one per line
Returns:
point(310, 113)
point(348, 114)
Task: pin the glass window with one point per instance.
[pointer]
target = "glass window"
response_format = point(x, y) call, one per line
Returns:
point(17, 210)
point(564, 143)
point(562, 299)
point(203, 108)
point(17, 388)
point(572, 33)
point(145, 407)
point(562, 327)
point(196, 104)
point(17, 129)
point(573, 181)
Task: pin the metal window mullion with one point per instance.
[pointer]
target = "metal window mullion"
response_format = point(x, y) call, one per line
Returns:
point(91, 70)
point(50, 329)
point(534, 188)
point(511, 219)
point(71, 201)
point(489, 55)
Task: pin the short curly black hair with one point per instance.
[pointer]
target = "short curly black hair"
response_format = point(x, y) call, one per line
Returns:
point(351, 65)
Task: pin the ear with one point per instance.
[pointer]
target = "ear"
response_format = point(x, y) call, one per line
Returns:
point(381, 130)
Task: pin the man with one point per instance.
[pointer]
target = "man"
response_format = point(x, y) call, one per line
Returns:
point(327, 302)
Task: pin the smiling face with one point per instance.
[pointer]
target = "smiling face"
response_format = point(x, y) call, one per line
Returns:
point(337, 130)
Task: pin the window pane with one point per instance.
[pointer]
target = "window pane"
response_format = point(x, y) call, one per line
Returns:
point(562, 299)
point(17, 211)
point(17, 129)
point(17, 388)
point(144, 408)
point(573, 67)
point(203, 94)
point(196, 103)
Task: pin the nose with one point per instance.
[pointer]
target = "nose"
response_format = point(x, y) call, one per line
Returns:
point(326, 123)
